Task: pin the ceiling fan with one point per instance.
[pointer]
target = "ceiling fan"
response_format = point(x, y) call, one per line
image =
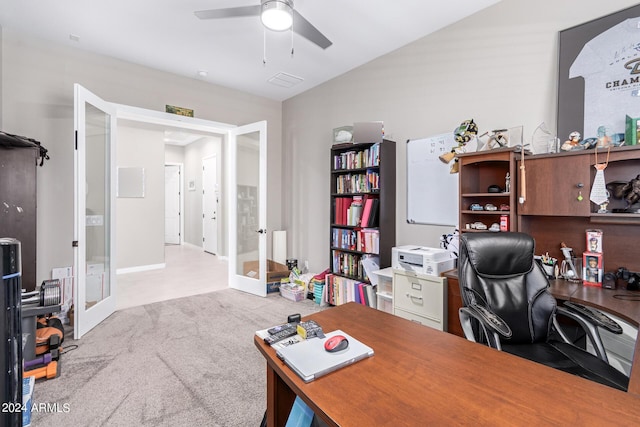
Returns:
point(276, 15)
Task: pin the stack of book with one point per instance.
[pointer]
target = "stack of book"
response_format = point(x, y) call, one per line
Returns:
point(341, 290)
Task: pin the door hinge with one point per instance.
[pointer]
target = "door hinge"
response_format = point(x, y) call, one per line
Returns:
point(74, 243)
point(76, 137)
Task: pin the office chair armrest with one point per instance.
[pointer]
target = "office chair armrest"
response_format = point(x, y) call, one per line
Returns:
point(492, 325)
point(595, 316)
point(587, 325)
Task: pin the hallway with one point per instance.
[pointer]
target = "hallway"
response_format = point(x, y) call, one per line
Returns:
point(189, 271)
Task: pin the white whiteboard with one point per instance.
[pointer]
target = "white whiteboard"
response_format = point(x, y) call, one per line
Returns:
point(432, 192)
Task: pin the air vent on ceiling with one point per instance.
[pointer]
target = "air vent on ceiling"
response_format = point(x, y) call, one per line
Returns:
point(285, 80)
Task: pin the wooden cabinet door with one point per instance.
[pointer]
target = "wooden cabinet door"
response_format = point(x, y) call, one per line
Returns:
point(18, 215)
point(556, 186)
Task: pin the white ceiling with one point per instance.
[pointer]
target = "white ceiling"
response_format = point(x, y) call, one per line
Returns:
point(166, 35)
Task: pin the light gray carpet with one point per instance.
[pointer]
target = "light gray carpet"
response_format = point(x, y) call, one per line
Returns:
point(185, 362)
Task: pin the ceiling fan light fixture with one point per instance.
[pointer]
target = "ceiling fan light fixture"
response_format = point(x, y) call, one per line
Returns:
point(277, 15)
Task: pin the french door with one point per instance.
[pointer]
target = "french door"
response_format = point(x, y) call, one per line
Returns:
point(94, 206)
point(247, 201)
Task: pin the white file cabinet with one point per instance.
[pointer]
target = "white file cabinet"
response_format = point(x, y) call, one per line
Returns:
point(420, 298)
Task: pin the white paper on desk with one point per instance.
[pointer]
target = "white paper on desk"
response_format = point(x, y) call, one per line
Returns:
point(370, 265)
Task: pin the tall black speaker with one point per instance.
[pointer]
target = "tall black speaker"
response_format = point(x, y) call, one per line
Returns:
point(11, 332)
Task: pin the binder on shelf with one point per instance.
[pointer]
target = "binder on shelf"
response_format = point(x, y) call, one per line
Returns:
point(366, 212)
point(375, 209)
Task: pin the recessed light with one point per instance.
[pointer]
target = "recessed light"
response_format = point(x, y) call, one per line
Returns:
point(74, 37)
point(203, 73)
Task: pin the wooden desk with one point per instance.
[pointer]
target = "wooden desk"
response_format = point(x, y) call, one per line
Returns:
point(420, 376)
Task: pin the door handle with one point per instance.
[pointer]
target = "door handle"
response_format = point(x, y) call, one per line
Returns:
point(262, 231)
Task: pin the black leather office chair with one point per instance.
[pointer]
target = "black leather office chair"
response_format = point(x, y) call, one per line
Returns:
point(508, 306)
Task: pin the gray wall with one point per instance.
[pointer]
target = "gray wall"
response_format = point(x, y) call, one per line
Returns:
point(37, 101)
point(498, 67)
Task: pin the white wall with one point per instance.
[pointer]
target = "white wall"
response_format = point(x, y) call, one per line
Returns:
point(498, 67)
point(140, 221)
point(37, 101)
point(174, 154)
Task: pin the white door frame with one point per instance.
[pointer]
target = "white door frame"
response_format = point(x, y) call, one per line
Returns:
point(181, 169)
point(216, 192)
point(128, 112)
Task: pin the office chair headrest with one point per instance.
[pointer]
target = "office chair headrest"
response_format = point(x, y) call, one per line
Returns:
point(499, 254)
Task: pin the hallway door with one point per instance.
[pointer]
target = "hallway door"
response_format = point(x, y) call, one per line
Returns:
point(210, 199)
point(172, 214)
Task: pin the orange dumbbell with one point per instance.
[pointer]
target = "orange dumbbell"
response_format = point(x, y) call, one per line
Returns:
point(48, 372)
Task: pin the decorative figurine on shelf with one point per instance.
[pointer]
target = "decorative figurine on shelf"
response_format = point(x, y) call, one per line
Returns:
point(603, 207)
point(507, 183)
point(573, 143)
point(604, 140)
point(463, 134)
point(496, 139)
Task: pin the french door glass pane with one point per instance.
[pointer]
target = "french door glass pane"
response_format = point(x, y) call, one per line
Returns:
point(97, 206)
point(247, 183)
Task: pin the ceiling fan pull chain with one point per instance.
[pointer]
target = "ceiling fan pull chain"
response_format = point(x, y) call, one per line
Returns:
point(264, 47)
point(292, 22)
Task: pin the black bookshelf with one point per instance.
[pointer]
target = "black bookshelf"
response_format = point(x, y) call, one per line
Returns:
point(362, 171)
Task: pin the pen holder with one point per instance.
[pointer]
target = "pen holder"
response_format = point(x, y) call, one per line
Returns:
point(572, 271)
point(549, 269)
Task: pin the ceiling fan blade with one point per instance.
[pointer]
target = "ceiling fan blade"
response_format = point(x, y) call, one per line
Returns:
point(308, 31)
point(231, 12)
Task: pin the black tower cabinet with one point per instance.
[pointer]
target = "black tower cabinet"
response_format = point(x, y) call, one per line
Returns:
point(11, 332)
point(18, 211)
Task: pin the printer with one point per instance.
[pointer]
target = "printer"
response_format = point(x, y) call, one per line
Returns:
point(423, 260)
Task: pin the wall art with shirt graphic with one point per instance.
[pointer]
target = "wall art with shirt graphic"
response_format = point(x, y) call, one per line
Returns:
point(599, 74)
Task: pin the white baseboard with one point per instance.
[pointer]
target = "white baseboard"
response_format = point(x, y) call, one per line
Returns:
point(140, 268)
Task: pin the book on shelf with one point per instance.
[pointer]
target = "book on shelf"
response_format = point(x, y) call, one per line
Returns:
point(375, 213)
point(370, 293)
point(301, 414)
point(366, 211)
point(342, 205)
point(352, 159)
point(368, 240)
point(341, 290)
point(354, 212)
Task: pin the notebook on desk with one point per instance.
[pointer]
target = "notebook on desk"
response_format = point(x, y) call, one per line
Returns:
point(310, 360)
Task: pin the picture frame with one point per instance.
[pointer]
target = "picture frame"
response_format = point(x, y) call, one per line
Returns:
point(631, 131)
point(571, 92)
